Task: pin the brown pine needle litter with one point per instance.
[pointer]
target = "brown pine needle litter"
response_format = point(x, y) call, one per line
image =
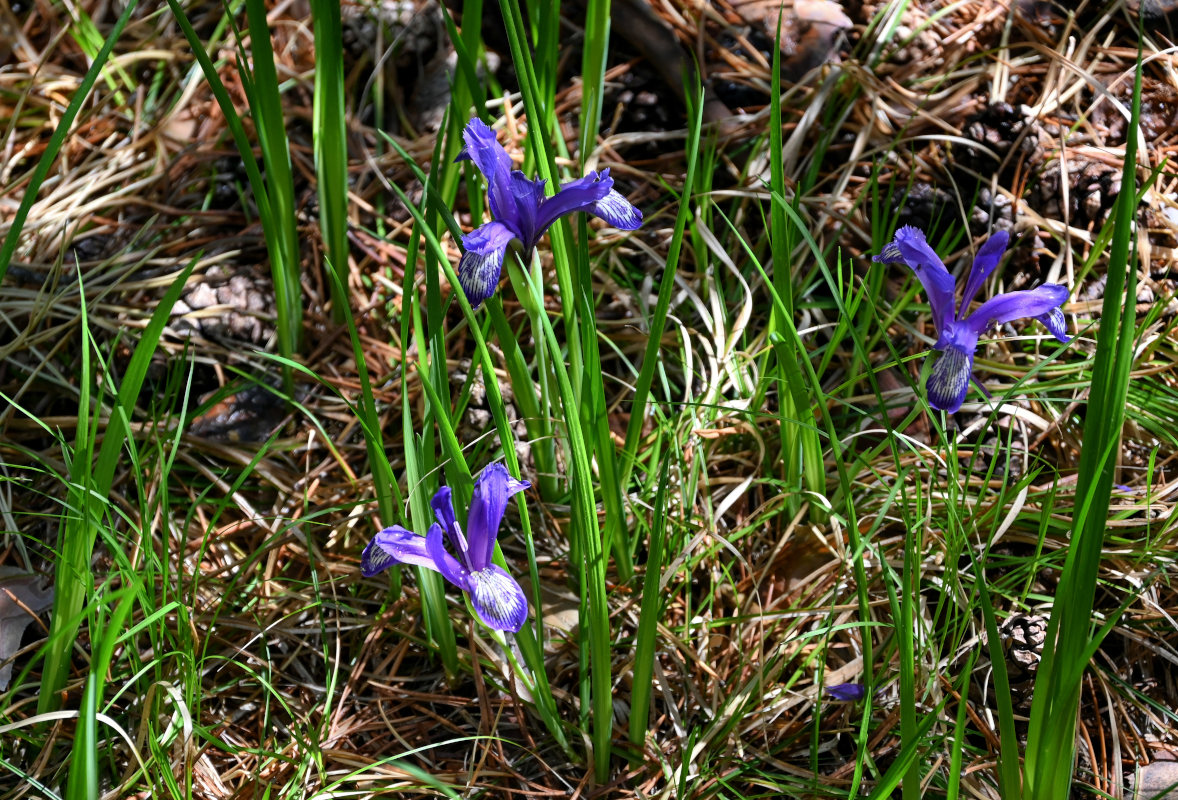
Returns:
point(273, 669)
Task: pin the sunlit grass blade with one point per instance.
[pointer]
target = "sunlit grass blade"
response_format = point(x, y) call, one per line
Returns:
point(1008, 762)
point(588, 545)
point(265, 96)
point(800, 447)
point(1051, 737)
point(593, 57)
point(274, 195)
point(53, 147)
point(331, 145)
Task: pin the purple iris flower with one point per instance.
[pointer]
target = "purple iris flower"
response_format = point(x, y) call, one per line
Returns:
point(847, 692)
point(496, 596)
point(957, 333)
point(522, 212)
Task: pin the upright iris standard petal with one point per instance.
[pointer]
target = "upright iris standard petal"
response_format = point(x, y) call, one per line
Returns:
point(482, 263)
point(498, 599)
point(987, 260)
point(1015, 305)
point(483, 148)
point(443, 506)
point(495, 596)
point(909, 247)
point(486, 512)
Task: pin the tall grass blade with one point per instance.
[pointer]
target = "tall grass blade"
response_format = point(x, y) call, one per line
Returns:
point(331, 144)
point(1051, 736)
point(594, 52)
point(658, 319)
point(265, 96)
point(800, 447)
point(83, 775)
point(648, 616)
point(274, 196)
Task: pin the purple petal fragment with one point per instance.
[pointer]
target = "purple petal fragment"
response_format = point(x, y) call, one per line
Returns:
point(987, 260)
point(528, 194)
point(618, 211)
point(498, 599)
point(847, 692)
point(483, 148)
point(1016, 305)
point(949, 380)
point(443, 506)
point(482, 263)
point(446, 564)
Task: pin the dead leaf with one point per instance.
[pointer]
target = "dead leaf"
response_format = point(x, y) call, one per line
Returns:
point(22, 598)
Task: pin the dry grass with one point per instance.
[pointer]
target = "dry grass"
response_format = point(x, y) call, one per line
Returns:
point(299, 673)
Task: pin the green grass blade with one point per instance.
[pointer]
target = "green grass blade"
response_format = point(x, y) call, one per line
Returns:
point(586, 530)
point(648, 617)
point(58, 139)
point(83, 776)
point(331, 145)
point(277, 211)
point(266, 106)
point(1051, 746)
point(594, 52)
point(72, 577)
point(658, 319)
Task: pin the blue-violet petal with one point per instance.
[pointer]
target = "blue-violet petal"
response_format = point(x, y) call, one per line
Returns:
point(987, 260)
point(1010, 306)
point(847, 692)
point(498, 599)
point(949, 379)
point(930, 271)
point(398, 545)
point(1054, 321)
point(482, 263)
point(579, 195)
